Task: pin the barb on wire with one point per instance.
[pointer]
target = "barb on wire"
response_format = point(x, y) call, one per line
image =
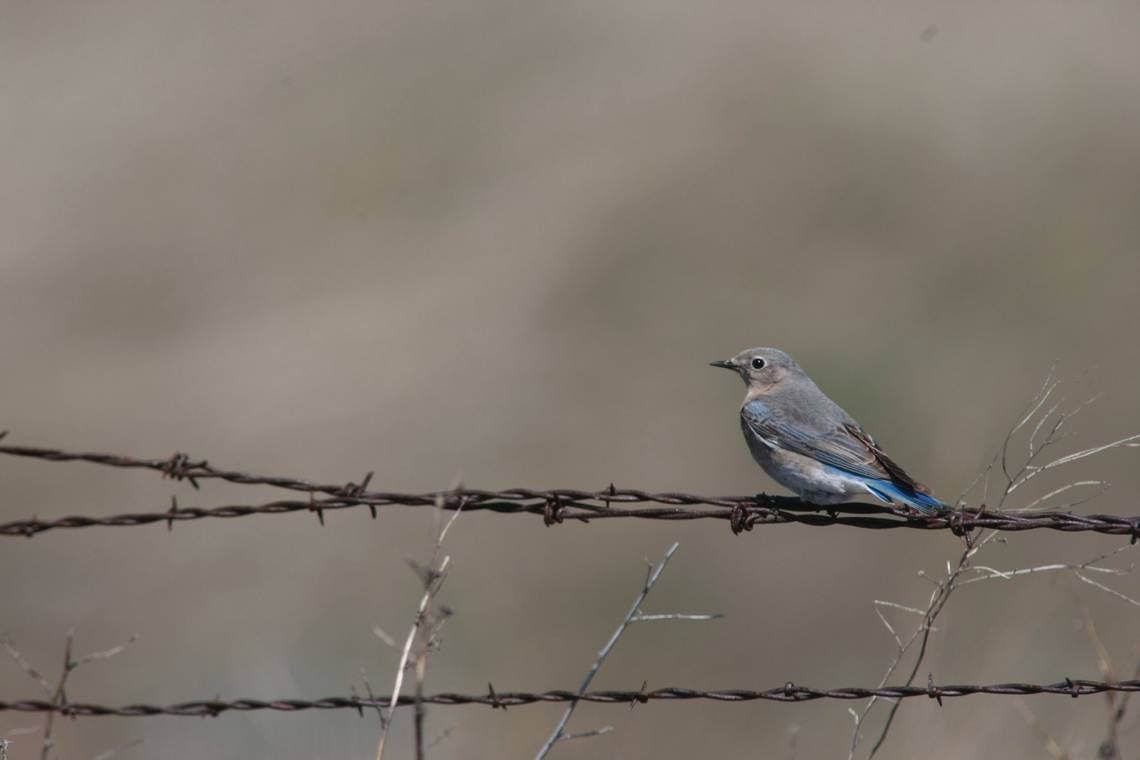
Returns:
point(554, 505)
point(789, 692)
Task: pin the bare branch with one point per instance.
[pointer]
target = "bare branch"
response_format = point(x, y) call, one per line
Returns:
point(405, 653)
point(557, 733)
point(642, 618)
point(904, 608)
point(1088, 566)
point(894, 635)
point(587, 734)
point(425, 628)
point(1126, 442)
point(108, 653)
point(26, 666)
point(1106, 589)
point(57, 694)
point(383, 636)
point(956, 573)
point(1031, 506)
point(372, 698)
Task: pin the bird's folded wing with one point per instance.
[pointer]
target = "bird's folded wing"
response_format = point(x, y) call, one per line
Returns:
point(897, 473)
point(837, 446)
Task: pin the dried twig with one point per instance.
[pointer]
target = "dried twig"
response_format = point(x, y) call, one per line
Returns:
point(586, 734)
point(1051, 421)
point(26, 666)
point(57, 694)
point(423, 634)
point(643, 618)
point(634, 615)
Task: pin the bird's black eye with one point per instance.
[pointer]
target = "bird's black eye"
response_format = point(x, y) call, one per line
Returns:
point(757, 363)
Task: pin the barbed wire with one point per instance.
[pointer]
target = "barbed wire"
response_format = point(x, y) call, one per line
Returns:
point(555, 505)
point(743, 517)
point(789, 692)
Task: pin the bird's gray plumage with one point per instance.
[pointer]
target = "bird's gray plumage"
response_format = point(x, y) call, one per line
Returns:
point(808, 443)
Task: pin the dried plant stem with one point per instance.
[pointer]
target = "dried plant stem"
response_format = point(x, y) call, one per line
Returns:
point(57, 694)
point(424, 630)
point(557, 734)
point(1015, 477)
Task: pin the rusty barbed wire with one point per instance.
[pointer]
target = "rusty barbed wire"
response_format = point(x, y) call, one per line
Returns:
point(555, 505)
point(789, 692)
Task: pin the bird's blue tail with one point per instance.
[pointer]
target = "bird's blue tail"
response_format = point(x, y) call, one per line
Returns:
point(891, 492)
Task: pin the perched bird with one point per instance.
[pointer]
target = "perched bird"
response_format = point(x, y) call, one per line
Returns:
point(807, 443)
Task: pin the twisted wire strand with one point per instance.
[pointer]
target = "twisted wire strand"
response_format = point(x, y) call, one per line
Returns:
point(555, 505)
point(789, 692)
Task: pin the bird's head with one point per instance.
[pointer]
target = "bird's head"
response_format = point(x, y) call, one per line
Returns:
point(761, 368)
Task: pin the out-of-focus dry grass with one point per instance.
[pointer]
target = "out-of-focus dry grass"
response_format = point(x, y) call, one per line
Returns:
point(500, 241)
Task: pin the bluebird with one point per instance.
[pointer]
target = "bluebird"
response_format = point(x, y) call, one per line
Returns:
point(807, 443)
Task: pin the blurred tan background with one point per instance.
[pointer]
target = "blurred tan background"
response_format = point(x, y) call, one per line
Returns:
point(500, 242)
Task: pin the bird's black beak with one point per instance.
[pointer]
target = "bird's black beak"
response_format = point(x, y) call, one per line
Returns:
point(726, 364)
